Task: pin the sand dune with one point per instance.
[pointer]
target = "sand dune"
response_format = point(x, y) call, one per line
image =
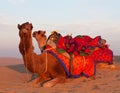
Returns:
point(14, 77)
point(4, 61)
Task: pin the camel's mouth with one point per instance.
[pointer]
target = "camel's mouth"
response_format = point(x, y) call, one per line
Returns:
point(24, 30)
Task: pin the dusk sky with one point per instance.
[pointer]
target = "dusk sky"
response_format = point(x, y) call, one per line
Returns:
point(76, 17)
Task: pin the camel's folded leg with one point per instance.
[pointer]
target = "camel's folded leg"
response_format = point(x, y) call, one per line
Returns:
point(54, 81)
point(36, 82)
point(40, 79)
point(109, 66)
point(113, 67)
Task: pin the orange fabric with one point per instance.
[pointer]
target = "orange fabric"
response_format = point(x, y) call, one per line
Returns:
point(81, 64)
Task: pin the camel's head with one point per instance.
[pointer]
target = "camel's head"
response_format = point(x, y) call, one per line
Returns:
point(54, 36)
point(53, 39)
point(102, 42)
point(25, 28)
point(40, 37)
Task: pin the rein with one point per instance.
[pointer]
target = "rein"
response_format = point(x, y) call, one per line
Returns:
point(46, 66)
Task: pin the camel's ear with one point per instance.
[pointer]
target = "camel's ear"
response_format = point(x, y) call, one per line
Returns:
point(31, 25)
point(18, 26)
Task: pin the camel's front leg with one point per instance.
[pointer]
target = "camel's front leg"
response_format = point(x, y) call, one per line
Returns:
point(54, 81)
point(36, 82)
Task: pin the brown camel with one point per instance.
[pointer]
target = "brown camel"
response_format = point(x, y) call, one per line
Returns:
point(45, 65)
point(40, 38)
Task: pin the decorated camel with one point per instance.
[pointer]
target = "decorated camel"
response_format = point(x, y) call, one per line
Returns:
point(82, 45)
point(47, 65)
point(52, 40)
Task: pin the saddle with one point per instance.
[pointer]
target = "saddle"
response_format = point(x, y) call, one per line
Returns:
point(52, 42)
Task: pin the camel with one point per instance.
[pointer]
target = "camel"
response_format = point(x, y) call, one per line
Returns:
point(49, 68)
point(39, 63)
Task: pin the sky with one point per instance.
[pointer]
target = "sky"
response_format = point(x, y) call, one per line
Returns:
point(76, 17)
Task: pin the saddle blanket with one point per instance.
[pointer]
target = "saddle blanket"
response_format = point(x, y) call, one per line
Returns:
point(81, 64)
point(103, 55)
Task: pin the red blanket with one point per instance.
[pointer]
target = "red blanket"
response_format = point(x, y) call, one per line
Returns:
point(102, 55)
point(84, 45)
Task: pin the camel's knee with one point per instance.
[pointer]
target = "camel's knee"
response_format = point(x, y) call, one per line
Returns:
point(54, 81)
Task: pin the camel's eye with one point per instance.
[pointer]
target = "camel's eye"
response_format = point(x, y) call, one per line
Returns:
point(38, 32)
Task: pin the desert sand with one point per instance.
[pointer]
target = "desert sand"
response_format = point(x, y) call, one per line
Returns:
point(14, 79)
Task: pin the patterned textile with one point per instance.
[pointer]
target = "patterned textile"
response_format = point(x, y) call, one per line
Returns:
point(102, 55)
point(77, 44)
point(85, 45)
point(81, 64)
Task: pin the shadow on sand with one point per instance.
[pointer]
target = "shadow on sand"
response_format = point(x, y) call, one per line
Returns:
point(19, 68)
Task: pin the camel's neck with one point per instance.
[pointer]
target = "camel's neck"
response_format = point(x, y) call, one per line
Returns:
point(41, 47)
point(26, 50)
